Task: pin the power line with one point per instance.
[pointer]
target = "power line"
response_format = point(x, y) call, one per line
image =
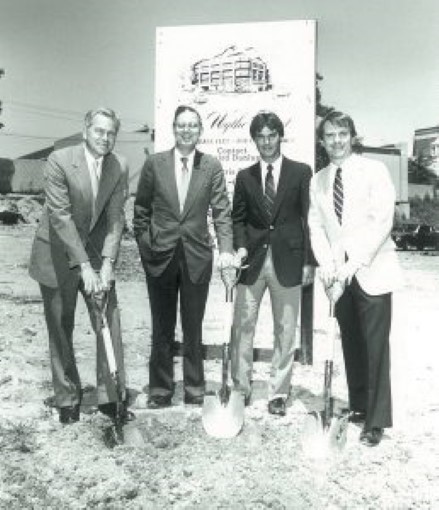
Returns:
point(58, 112)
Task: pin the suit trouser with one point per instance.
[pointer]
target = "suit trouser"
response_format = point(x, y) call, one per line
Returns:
point(364, 322)
point(163, 296)
point(285, 305)
point(59, 309)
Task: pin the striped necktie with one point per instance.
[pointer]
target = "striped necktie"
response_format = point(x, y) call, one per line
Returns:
point(270, 193)
point(338, 195)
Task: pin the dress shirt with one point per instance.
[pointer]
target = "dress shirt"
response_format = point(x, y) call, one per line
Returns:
point(178, 164)
point(91, 162)
point(276, 172)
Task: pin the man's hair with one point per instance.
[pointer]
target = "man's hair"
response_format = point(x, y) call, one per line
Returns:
point(185, 108)
point(106, 112)
point(339, 119)
point(266, 119)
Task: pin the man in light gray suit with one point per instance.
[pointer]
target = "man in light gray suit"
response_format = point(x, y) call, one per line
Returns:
point(350, 220)
point(175, 191)
point(74, 250)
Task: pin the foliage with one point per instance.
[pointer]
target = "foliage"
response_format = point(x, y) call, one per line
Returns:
point(419, 172)
point(425, 210)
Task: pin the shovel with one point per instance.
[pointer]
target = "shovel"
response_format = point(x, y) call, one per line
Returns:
point(323, 433)
point(120, 432)
point(223, 412)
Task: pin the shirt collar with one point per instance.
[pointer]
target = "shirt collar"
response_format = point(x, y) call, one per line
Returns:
point(190, 158)
point(91, 159)
point(276, 165)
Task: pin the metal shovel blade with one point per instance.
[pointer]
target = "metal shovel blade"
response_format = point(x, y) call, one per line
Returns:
point(320, 441)
point(223, 419)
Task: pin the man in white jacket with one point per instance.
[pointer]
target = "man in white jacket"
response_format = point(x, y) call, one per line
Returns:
point(350, 220)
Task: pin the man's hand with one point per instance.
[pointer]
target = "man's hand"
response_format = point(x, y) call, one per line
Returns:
point(347, 271)
point(225, 260)
point(307, 274)
point(328, 275)
point(107, 273)
point(335, 291)
point(92, 281)
point(239, 257)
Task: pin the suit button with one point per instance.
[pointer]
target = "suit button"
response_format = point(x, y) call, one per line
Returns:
point(265, 246)
point(271, 227)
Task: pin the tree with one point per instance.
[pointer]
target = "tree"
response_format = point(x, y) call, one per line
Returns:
point(2, 72)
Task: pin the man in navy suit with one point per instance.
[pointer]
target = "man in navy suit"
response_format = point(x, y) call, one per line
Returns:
point(270, 208)
point(176, 189)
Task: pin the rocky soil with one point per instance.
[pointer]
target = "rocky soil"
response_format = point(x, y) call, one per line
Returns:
point(44, 465)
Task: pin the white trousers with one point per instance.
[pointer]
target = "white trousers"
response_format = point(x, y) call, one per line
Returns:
point(285, 302)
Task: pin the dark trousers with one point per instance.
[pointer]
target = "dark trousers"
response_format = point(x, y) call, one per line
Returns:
point(163, 296)
point(59, 310)
point(364, 322)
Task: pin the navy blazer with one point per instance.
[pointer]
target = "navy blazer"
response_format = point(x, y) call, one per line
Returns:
point(286, 231)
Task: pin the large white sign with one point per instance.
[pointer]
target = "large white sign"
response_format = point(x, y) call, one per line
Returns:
point(229, 72)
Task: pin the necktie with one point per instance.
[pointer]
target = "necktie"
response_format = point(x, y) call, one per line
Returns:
point(269, 191)
point(184, 182)
point(338, 195)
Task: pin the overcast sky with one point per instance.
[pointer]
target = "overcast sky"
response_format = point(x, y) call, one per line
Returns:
point(379, 59)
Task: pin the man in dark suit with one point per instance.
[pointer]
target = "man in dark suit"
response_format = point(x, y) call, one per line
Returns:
point(75, 247)
point(176, 189)
point(270, 208)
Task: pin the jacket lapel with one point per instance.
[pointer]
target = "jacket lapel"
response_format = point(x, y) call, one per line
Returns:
point(167, 170)
point(109, 178)
point(81, 176)
point(257, 191)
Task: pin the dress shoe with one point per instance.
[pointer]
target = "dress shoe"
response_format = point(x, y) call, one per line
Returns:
point(277, 406)
point(110, 410)
point(159, 401)
point(357, 417)
point(371, 437)
point(194, 400)
point(69, 414)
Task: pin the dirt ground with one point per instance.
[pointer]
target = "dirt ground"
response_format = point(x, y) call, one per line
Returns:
point(44, 465)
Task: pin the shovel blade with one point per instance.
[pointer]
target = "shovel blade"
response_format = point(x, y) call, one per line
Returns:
point(223, 420)
point(133, 436)
point(318, 440)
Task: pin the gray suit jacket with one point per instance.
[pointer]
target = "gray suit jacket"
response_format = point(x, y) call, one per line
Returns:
point(69, 233)
point(159, 224)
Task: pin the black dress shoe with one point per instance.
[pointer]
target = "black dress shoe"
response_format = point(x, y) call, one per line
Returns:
point(110, 410)
point(69, 414)
point(371, 437)
point(194, 400)
point(357, 416)
point(159, 401)
point(277, 406)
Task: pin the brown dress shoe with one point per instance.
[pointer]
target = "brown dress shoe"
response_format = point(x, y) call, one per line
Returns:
point(194, 400)
point(69, 414)
point(277, 406)
point(371, 437)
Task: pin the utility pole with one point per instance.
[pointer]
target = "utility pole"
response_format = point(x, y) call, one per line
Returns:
point(2, 73)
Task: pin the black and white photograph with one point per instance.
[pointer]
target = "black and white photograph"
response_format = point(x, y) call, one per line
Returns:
point(219, 255)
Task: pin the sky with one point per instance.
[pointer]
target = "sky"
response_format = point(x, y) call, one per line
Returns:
point(379, 60)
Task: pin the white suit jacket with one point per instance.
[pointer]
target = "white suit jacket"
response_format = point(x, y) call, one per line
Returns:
point(364, 235)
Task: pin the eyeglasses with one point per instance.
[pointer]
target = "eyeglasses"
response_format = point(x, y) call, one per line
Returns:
point(193, 126)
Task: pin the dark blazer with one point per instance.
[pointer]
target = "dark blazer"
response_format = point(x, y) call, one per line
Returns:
point(69, 233)
point(286, 231)
point(159, 225)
